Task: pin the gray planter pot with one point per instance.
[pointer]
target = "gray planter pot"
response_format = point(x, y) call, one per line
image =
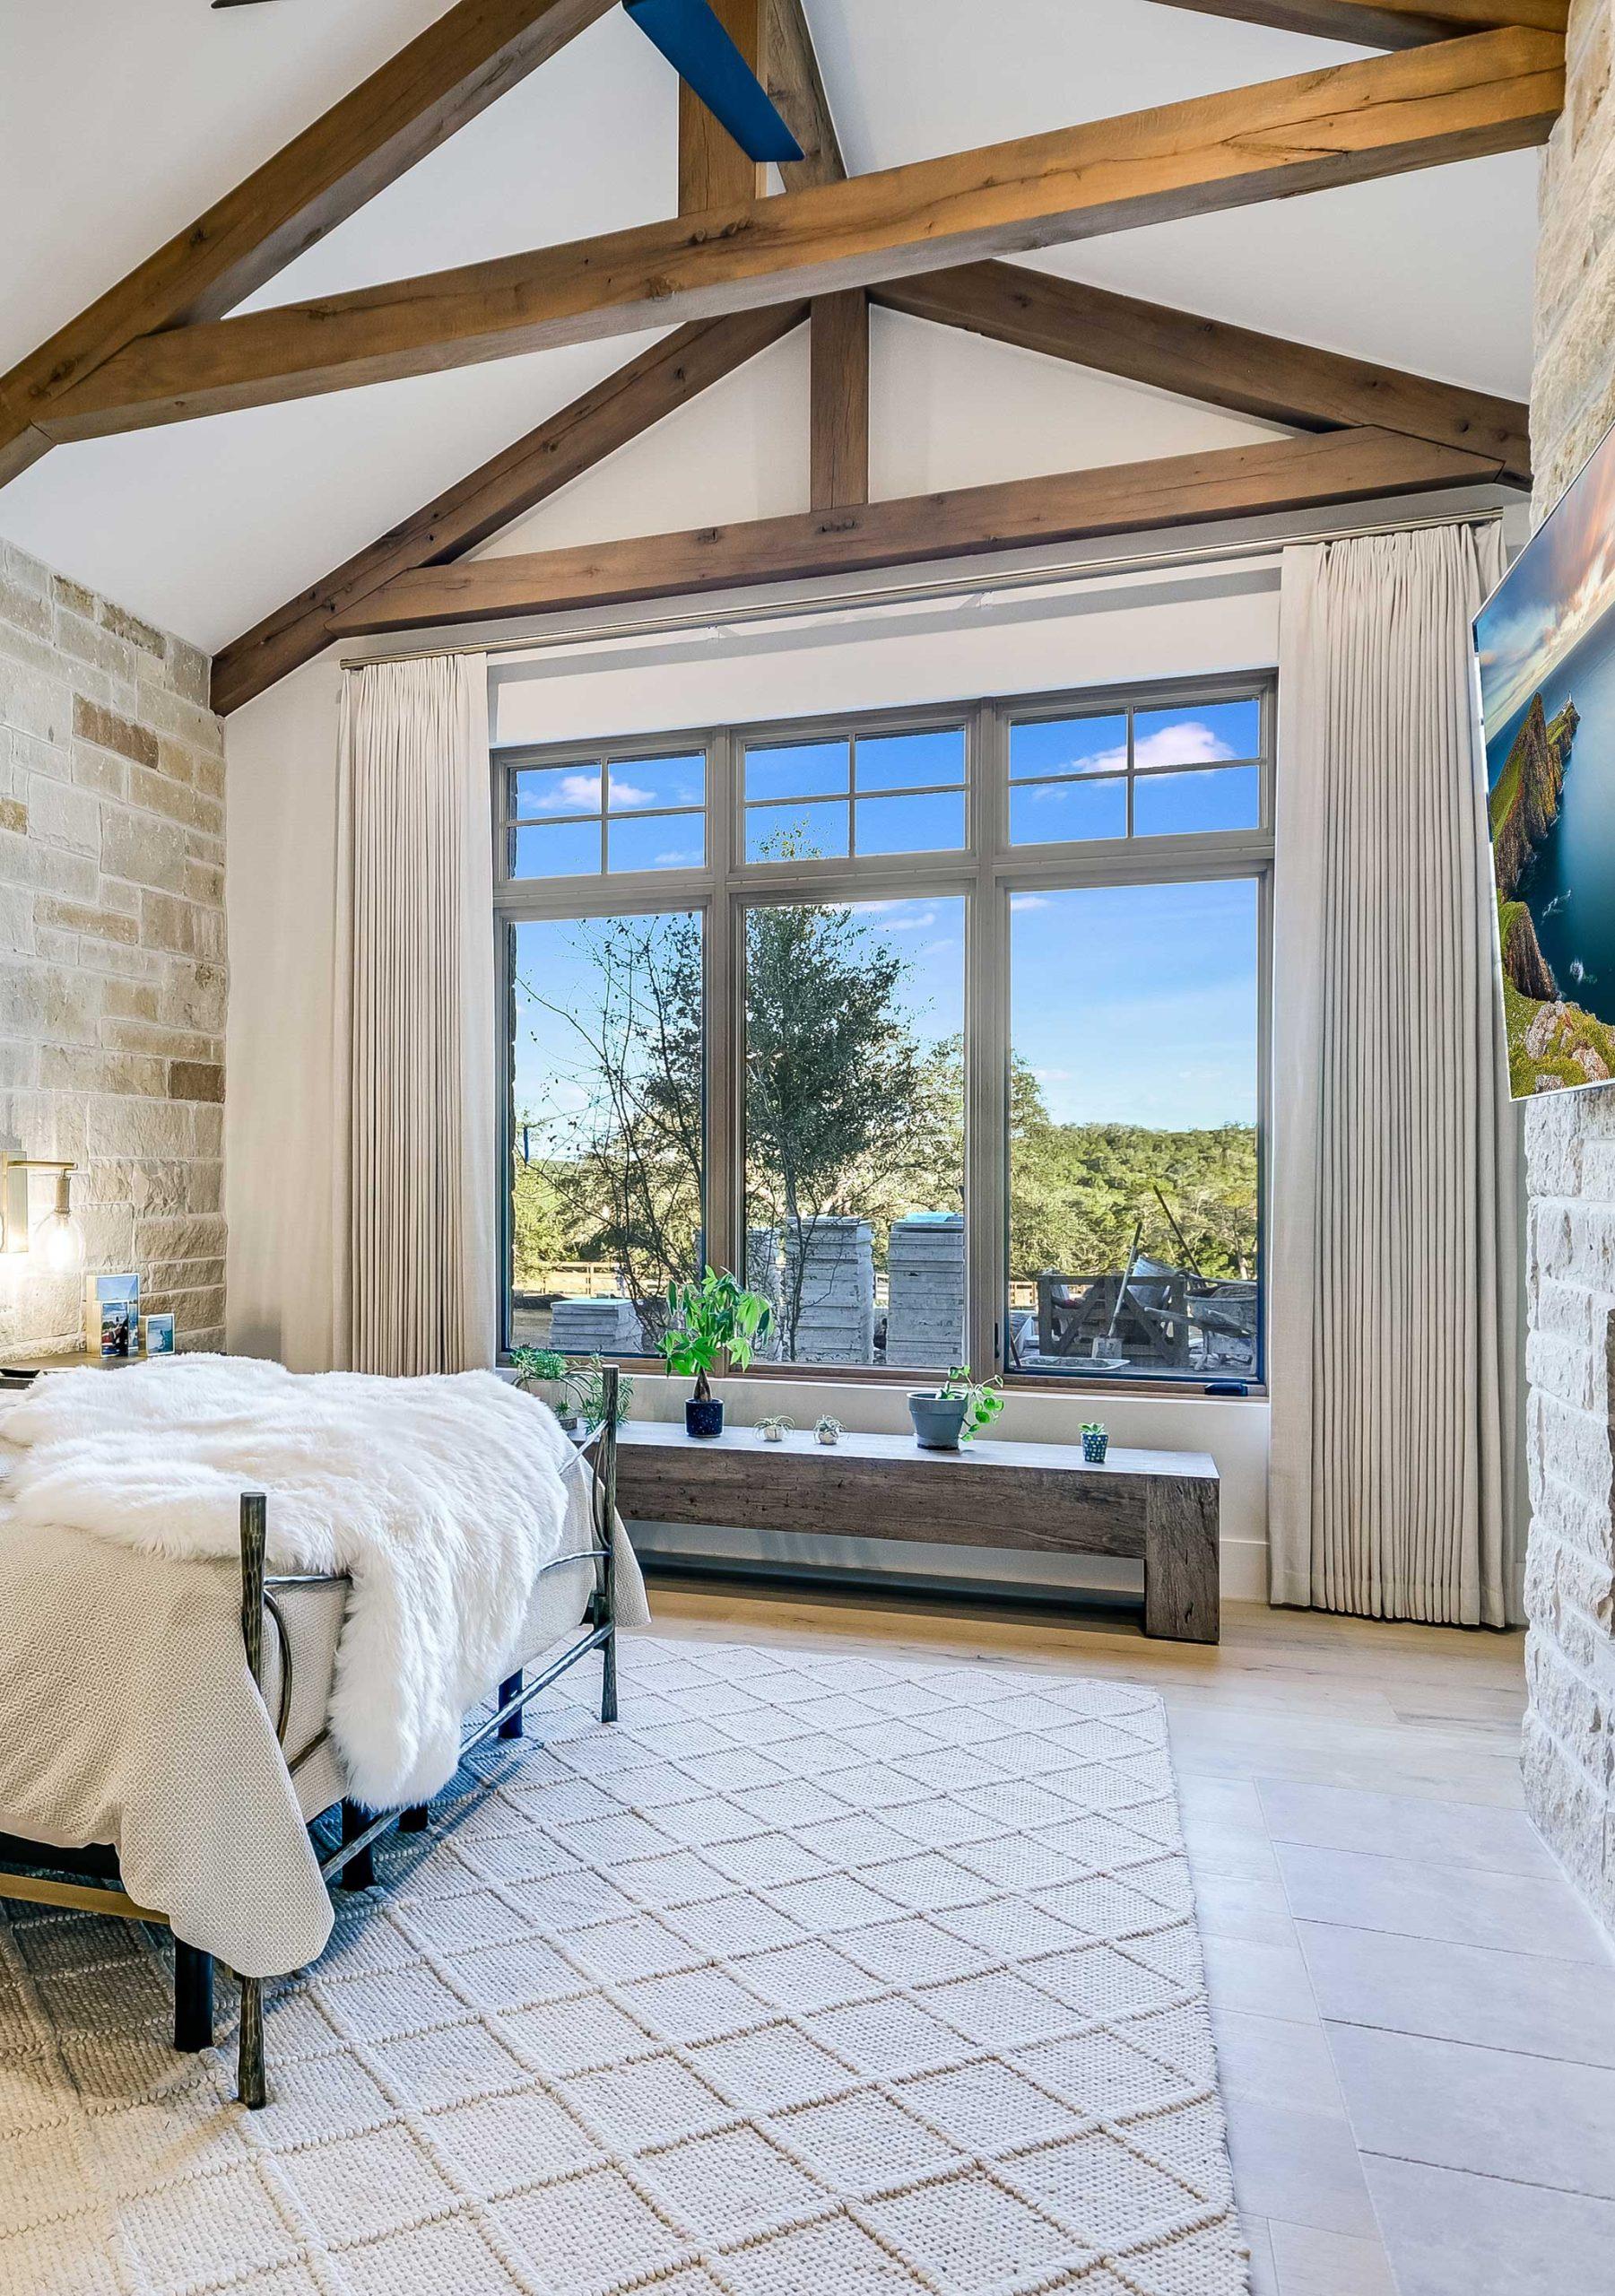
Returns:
point(937, 1420)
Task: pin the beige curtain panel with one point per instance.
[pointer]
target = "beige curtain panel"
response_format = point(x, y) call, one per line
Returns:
point(1394, 1281)
point(415, 1219)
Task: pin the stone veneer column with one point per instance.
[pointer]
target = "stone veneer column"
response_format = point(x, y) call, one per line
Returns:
point(1569, 1743)
point(112, 961)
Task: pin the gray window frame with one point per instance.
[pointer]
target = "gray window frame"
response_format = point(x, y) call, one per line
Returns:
point(986, 871)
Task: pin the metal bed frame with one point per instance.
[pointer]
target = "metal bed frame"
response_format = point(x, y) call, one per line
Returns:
point(349, 1866)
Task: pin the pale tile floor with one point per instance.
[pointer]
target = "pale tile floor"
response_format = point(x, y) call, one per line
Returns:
point(1415, 2016)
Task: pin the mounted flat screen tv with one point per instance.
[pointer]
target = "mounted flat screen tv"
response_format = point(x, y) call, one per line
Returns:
point(1545, 642)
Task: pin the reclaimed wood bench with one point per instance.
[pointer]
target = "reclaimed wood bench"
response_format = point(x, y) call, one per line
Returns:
point(1159, 1507)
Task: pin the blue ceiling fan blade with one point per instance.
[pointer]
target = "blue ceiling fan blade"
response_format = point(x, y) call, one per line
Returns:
point(702, 54)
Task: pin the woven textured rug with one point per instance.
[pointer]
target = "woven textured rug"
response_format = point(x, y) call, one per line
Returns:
point(815, 1976)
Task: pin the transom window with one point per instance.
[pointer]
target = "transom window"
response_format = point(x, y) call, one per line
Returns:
point(946, 1026)
point(852, 796)
point(592, 816)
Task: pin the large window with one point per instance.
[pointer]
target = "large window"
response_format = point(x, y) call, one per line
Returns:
point(1134, 1227)
point(947, 1026)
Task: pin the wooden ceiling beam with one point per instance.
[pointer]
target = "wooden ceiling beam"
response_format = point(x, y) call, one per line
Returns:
point(622, 407)
point(411, 104)
point(1179, 490)
point(838, 399)
point(1206, 359)
point(1494, 91)
point(791, 75)
point(713, 169)
point(1387, 23)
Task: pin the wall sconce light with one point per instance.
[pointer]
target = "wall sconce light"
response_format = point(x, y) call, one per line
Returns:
point(59, 1241)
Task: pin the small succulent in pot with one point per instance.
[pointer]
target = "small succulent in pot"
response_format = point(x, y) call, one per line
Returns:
point(704, 1322)
point(827, 1429)
point(774, 1429)
point(1096, 1442)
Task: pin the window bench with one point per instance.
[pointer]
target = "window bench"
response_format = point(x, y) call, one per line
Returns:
point(1157, 1505)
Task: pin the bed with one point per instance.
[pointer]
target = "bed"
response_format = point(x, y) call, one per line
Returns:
point(166, 1735)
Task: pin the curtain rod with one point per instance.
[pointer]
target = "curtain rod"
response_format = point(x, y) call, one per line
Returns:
point(915, 593)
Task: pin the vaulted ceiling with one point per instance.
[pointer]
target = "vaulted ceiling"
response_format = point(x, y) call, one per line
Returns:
point(207, 525)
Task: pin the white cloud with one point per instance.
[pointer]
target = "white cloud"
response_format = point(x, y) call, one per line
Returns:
point(1188, 743)
point(1023, 904)
point(574, 793)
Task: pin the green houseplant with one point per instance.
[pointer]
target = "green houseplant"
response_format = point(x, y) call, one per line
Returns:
point(945, 1417)
point(547, 1374)
point(704, 1322)
point(589, 1386)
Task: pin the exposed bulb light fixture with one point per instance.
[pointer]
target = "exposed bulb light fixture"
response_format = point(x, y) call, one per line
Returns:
point(59, 1241)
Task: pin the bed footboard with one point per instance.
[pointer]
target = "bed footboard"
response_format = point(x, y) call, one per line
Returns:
point(351, 1860)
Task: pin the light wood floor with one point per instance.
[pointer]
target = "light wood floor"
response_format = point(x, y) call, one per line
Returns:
point(1415, 2016)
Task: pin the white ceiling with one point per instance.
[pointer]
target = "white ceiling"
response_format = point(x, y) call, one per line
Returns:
point(206, 526)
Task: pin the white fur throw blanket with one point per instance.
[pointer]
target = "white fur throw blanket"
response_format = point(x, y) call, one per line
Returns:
point(441, 1497)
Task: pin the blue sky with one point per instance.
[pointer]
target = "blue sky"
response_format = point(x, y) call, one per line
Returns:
point(1133, 1004)
point(1137, 1004)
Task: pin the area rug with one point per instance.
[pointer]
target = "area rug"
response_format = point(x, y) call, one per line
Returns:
point(814, 1976)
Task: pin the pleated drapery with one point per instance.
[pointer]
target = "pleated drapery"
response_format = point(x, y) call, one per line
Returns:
point(1395, 1277)
point(416, 1214)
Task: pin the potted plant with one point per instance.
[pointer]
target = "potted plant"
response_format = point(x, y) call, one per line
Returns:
point(543, 1372)
point(1096, 1442)
point(828, 1430)
point(704, 1321)
point(773, 1429)
point(945, 1417)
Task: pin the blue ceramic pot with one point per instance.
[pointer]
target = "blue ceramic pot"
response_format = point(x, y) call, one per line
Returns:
point(703, 1415)
point(1094, 1447)
point(937, 1421)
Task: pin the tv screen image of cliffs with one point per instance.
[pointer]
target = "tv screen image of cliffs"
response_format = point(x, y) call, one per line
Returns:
point(1545, 645)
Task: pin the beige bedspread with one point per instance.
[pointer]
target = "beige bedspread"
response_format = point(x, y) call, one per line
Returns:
point(127, 1715)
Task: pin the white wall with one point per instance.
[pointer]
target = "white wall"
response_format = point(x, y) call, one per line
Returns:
point(948, 411)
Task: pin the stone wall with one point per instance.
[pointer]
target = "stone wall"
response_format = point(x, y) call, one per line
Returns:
point(1569, 1749)
point(112, 980)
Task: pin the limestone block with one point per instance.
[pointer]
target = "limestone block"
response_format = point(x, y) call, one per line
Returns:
point(102, 648)
point(1566, 1804)
point(1578, 1517)
point(1577, 1441)
point(1571, 1310)
point(1575, 1373)
point(138, 633)
point(1553, 1145)
point(120, 1128)
point(142, 848)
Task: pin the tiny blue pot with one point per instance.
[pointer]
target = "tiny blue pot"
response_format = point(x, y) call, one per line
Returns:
point(703, 1415)
point(1094, 1447)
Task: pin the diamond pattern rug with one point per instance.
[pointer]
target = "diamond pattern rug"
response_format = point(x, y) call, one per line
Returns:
point(815, 1976)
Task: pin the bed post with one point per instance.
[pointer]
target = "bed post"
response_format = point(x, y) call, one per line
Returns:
point(249, 2052)
point(606, 1503)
